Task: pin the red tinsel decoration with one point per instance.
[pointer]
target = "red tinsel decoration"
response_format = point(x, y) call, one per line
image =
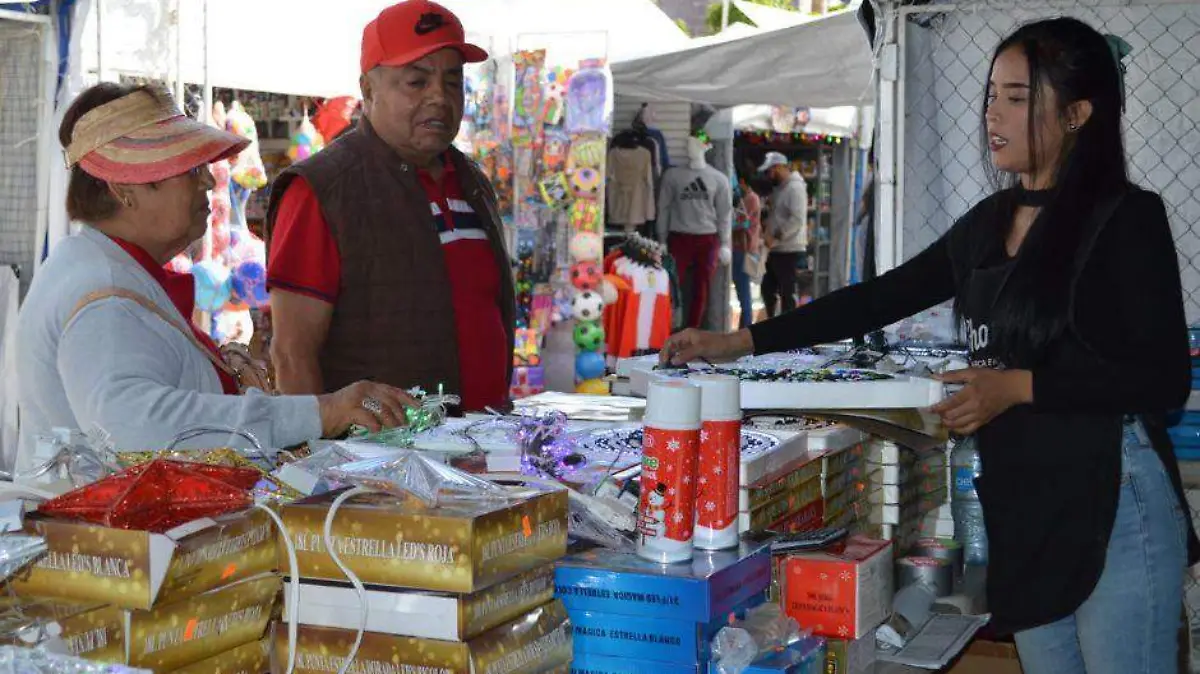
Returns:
point(157, 496)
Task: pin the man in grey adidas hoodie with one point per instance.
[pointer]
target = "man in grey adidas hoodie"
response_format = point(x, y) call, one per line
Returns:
point(785, 231)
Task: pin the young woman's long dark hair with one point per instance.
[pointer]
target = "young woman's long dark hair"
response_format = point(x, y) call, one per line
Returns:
point(1074, 60)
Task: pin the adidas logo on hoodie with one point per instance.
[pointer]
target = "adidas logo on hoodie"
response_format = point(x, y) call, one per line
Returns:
point(695, 190)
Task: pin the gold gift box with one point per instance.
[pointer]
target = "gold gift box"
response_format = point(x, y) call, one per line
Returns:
point(536, 642)
point(400, 542)
point(175, 635)
point(251, 658)
point(139, 570)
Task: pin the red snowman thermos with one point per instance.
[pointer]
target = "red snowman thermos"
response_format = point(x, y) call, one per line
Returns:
point(720, 461)
point(670, 451)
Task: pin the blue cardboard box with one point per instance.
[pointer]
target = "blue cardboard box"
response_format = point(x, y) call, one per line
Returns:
point(712, 585)
point(656, 639)
point(586, 663)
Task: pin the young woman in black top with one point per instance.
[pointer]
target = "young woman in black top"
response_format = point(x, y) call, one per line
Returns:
point(1067, 283)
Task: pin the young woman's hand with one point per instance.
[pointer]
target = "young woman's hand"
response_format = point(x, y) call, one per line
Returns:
point(692, 344)
point(374, 406)
point(986, 394)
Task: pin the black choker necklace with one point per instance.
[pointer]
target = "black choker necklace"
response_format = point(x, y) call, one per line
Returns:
point(1034, 198)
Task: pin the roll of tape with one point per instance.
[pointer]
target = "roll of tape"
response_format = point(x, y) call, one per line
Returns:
point(934, 573)
point(942, 548)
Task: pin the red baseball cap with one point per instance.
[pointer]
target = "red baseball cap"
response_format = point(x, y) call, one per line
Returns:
point(411, 30)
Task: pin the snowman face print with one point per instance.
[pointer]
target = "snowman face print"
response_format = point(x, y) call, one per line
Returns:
point(653, 522)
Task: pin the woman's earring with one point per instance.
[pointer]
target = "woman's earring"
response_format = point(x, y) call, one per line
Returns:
point(1073, 127)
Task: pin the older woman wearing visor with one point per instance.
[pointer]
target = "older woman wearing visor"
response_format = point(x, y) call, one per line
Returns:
point(105, 342)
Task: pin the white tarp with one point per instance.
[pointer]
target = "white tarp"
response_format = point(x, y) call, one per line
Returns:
point(311, 47)
point(819, 63)
point(841, 121)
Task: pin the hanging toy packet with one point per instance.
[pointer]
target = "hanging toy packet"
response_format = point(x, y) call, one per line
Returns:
point(527, 103)
point(306, 142)
point(247, 169)
point(588, 98)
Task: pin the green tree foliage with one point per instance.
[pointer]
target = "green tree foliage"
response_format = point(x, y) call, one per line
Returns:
point(713, 18)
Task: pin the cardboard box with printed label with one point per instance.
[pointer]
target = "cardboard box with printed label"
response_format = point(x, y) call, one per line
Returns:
point(399, 542)
point(251, 658)
point(421, 614)
point(535, 642)
point(713, 584)
point(175, 635)
point(794, 474)
point(782, 507)
point(140, 570)
point(843, 592)
point(652, 639)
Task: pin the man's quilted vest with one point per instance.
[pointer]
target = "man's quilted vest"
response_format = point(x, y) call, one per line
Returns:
point(394, 318)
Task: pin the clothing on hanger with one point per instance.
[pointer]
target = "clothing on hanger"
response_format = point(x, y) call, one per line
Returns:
point(630, 190)
point(640, 319)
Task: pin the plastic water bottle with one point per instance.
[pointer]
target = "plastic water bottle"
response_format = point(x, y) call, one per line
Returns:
point(969, 529)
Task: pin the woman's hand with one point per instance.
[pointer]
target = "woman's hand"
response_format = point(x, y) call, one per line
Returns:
point(375, 406)
point(692, 344)
point(986, 394)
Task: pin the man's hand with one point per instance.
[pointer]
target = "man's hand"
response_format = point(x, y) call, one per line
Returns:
point(299, 326)
point(986, 394)
point(692, 344)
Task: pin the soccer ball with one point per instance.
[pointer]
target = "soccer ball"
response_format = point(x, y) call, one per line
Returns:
point(587, 306)
point(586, 275)
point(586, 247)
point(589, 336)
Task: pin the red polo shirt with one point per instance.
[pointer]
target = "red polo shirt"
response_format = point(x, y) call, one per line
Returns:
point(304, 259)
point(181, 288)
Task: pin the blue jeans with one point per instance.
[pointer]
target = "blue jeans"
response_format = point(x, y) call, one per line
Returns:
point(1130, 624)
point(741, 283)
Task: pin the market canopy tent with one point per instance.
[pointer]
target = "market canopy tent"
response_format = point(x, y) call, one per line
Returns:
point(312, 46)
point(820, 62)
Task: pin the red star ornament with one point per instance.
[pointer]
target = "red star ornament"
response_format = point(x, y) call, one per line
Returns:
point(157, 496)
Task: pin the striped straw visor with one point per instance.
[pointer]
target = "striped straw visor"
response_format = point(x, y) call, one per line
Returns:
point(144, 138)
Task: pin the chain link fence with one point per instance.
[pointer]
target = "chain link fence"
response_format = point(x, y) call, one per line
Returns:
point(946, 57)
point(20, 108)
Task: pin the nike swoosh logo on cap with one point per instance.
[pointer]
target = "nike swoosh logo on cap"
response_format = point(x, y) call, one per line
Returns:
point(429, 22)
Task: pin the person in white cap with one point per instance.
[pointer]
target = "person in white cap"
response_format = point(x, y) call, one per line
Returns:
point(785, 231)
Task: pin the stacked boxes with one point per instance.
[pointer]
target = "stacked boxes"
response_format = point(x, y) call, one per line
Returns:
point(458, 588)
point(843, 474)
point(784, 500)
point(904, 489)
point(630, 615)
point(155, 601)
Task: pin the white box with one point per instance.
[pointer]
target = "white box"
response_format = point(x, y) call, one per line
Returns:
point(422, 615)
point(792, 447)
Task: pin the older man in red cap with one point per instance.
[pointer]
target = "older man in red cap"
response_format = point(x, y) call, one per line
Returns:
point(387, 257)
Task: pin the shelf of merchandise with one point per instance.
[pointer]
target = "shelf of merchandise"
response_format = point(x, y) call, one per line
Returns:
point(815, 163)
